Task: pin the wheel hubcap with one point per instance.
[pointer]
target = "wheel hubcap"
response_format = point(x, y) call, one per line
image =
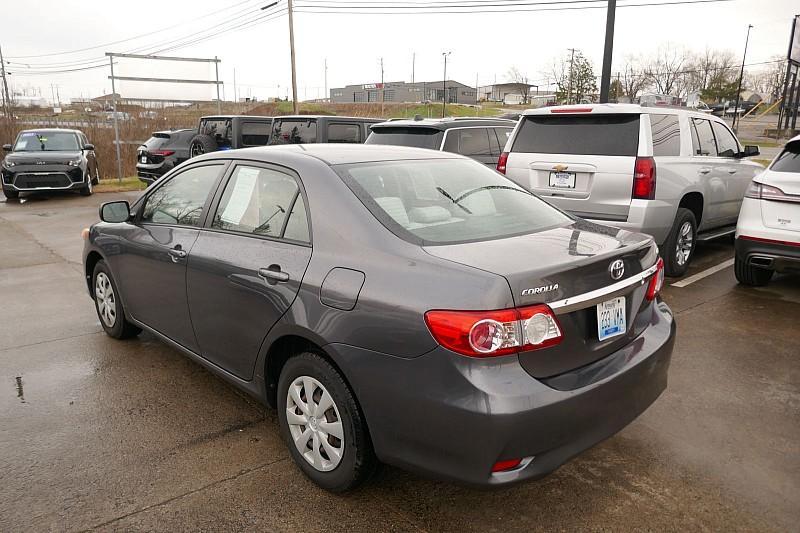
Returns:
point(106, 304)
point(314, 423)
point(685, 243)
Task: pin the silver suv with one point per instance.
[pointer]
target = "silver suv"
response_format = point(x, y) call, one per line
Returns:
point(676, 174)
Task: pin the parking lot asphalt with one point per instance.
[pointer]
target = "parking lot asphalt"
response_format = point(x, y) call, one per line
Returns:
point(130, 435)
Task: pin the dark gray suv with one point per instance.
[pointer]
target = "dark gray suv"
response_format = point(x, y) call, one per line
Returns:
point(393, 304)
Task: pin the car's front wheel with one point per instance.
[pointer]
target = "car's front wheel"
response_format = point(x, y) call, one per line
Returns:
point(750, 275)
point(680, 244)
point(11, 195)
point(322, 424)
point(108, 304)
point(88, 189)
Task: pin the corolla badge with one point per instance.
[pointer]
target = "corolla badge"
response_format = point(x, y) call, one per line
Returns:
point(616, 269)
point(540, 290)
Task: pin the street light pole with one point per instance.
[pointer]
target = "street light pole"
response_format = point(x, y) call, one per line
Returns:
point(444, 84)
point(741, 75)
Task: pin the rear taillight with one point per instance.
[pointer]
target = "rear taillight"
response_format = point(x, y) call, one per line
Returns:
point(656, 282)
point(502, 162)
point(493, 333)
point(164, 153)
point(644, 179)
point(759, 191)
point(508, 464)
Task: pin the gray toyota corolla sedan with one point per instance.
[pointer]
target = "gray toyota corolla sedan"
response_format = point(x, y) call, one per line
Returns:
point(394, 304)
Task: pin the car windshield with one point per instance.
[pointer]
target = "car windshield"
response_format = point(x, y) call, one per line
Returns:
point(447, 201)
point(399, 136)
point(47, 141)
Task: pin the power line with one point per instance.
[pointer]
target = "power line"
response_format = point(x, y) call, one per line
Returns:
point(460, 9)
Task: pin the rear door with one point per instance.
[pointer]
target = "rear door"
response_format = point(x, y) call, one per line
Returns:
point(580, 162)
point(711, 171)
point(247, 264)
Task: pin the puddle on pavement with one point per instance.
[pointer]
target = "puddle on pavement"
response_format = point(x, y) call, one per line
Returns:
point(20, 392)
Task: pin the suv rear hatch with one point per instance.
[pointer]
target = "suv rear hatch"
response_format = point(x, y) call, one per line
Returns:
point(783, 211)
point(561, 264)
point(155, 149)
point(581, 162)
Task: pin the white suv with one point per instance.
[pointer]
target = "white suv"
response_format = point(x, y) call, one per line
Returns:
point(768, 233)
point(674, 173)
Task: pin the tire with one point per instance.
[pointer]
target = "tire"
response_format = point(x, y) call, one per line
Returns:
point(11, 195)
point(357, 460)
point(684, 235)
point(750, 275)
point(96, 180)
point(88, 189)
point(202, 144)
point(109, 309)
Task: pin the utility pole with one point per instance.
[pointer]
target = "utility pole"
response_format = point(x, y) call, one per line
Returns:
point(569, 85)
point(413, 64)
point(53, 94)
point(741, 75)
point(116, 125)
point(605, 76)
point(383, 92)
point(295, 107)
point(325, 96)
point(6, 95)
point(444, 85)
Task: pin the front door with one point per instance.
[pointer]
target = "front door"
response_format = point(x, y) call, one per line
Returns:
point(246, 266)
point(736, 172)
point(155, 250)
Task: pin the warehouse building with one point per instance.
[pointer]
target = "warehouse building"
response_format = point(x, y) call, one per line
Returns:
point(402, 92)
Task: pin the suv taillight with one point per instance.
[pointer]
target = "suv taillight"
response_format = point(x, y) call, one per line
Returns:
point(760, 191)
point(164, 153)
point(656, 282)
point(644, 179)
point(493, 333)
point(501, 163)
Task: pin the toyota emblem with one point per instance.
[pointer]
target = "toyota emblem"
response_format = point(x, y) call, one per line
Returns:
point(616, 269)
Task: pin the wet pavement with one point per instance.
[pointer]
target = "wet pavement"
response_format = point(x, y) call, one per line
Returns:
point(109, 435)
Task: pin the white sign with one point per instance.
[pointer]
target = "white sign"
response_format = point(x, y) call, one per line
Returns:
point(240, 197)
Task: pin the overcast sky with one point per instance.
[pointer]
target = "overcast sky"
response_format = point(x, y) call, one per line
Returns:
point(485, 45)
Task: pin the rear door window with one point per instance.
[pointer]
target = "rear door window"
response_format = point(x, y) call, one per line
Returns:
point(255, 133)
point(404, 136)
point(703, 139)
point(789, 159)
point(472, 142)
point(344, 133)
point(294, 132)
point(219, 129)
point(502, 134)
point(726, 142)
point(600, 134)
point(666, 135)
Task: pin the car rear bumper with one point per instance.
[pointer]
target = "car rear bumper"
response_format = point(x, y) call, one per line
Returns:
point(780, 256)
point(148, 173)
point(651, 217)
point(453, 417)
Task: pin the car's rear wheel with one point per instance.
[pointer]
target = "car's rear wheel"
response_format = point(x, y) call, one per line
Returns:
point(322, 424)
point(108, 304)
point(11, 195)
point(680, 244)
point(751, 275)
point(202, 144)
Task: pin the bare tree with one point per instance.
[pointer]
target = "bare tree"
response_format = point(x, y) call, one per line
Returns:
point(664, 70)
point(768, 81)
point(632, 78)
point(520, 80)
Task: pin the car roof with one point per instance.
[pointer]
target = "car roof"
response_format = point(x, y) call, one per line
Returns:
point(446, 123)
point(597, 109)
point(40, 130)
point(260, 117)
point(331, 117)
point(330, 154)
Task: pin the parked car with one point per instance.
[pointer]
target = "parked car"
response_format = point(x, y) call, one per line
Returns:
point(49, 159)
point(228, 132)
point(310, 129)
point(448, 321)
point(676, 174)
point(768, 232)
point(162, 152)
point(478, 138)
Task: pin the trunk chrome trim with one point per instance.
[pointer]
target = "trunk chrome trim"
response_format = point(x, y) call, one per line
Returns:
point(580, 301)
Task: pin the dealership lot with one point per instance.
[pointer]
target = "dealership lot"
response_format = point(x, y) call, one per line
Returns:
point(105, 434)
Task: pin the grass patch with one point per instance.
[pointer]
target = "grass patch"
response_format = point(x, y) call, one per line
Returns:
point(131, 183)
point(762, 143)
point(764, 162)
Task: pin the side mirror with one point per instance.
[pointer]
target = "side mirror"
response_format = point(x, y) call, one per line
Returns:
point(6, 147)
point(751, 150)
point(115, 212)
point(88, 147)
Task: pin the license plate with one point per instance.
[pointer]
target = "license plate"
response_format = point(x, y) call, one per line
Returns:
point(562, 180)
point(143, 159)
point(611, 318)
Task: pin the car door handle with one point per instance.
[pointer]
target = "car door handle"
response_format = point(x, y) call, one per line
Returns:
point(177, 253)
point(704, 170)
point(273, 273)
point(731, 171)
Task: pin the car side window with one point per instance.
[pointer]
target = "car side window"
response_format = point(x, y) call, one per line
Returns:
point(261, 201)
point(181, 199)
point(255, 133)
point(219, 129)
point(469, 141)
point(666, 135)
point(503, 134)
point(344, 133)
point(726, 142)
point(706, 145)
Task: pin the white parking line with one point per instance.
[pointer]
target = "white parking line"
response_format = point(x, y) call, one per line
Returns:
point(705, 273)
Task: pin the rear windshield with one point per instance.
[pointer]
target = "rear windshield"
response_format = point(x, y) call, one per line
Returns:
point(579, 134)
point(447, 201)
point(789, 160)
point(399, 136)
point(294, 132)
point(157, 141)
